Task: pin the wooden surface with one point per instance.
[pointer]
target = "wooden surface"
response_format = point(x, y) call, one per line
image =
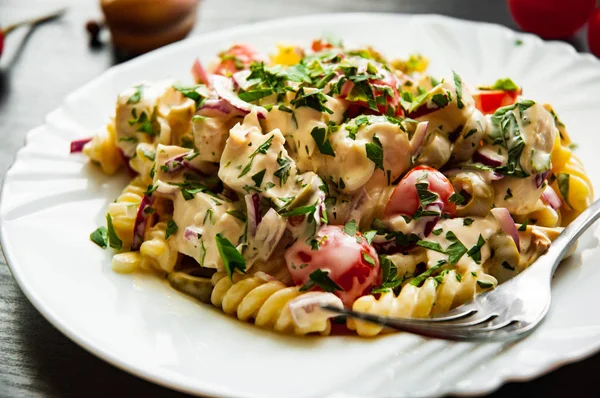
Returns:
point(39, 68)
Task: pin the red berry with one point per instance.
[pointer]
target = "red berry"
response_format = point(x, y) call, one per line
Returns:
point(551, 19)
point(593, 33)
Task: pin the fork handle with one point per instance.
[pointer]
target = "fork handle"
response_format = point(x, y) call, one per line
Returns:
point(558, 248)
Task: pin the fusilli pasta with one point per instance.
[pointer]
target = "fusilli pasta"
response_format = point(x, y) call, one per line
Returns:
point(263, 300)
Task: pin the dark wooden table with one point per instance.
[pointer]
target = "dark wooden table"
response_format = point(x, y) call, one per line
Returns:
point(40, 67)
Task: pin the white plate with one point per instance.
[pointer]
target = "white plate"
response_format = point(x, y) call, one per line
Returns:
point(52, 201)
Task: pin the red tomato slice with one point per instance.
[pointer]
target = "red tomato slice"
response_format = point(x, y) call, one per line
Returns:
point(405, 200)
point(488, 101)
point(357, 271)
point(237, 58)
point(320, 45)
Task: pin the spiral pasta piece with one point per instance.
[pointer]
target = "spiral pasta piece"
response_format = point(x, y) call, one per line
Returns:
point(103, 150)
point(571, 182)
point(263, 300)
point(156, 252)
point(124, 211)
point(435, 296)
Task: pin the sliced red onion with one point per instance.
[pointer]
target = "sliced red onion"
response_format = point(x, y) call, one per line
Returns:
point(507, 224)
point(77, 145)
point(191, 233)
point(218, 108)
point(141, 220)
point(125, 158)
point(179, 162)
point(418, 137)
point(346, 88)
point(174, 164)
point(550, 197)
point(199, 73)
point(495, 176)
point(488, 157)
point(253, 210)
point(268, 233)
point(306, 309)
point(224, 88)
point(540, 178)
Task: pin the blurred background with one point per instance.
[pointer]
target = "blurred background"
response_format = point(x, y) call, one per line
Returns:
point(40, 65)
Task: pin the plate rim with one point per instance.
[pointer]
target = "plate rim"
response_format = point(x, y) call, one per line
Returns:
point(207, 388)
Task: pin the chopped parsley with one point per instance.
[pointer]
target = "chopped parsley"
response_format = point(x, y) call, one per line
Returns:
point(237, 214)
point(458, 84)
point(506, 265)
point(418, 280)
point(467, 221)
point(190, 92)
point(171, 229)
point(368, 258)
point(375, 152)
point(562, 179)
point(283, 172)
point(485, 285)
point(315, 100)
point(369, 235)
point(258, 177)
point(457, 198)
point(262, 149)
point(299, 211)
point(426, 197)
point(523, 227)
point(319, 134)
point(505, 85)
point(321, 279)
point(431, 246)
point(475, 251)
point(100, 237)
point(232, 258)
point(389, 273)
point(456, 249)
point(508, 195)
point(137, 96)
point(113, 239)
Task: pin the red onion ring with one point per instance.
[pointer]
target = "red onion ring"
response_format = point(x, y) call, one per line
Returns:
point(224, 88)
point(253, 211)
point(418, 137)
point(488, 157)
point(551, 198)
point(199, 73)
point(506, 223)
point(141, 220)
point(77, 145)
point(539, 178)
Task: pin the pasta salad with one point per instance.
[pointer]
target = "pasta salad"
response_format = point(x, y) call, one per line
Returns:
point(330, 175)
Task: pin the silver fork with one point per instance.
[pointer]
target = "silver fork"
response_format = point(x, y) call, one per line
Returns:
point(509, 312)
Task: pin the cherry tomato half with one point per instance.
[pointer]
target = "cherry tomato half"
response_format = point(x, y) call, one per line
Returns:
point(551, 19)
point(349, 261)
point(405, 199)
point(237, 58)
point(488, 101)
